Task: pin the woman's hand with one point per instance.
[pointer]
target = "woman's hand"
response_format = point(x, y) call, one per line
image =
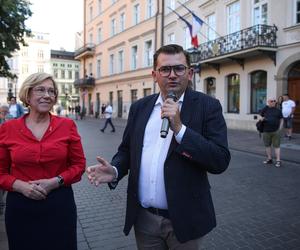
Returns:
point(47, 184)
point(101, 173)
point(30, 190)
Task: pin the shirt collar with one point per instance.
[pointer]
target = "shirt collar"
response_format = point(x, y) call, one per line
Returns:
point(160, 101)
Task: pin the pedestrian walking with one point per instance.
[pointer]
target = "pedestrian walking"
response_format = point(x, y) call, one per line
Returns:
point(169, 201)
point(77, 111)
point(108, 114)
point(103, 107)
point(83, 113)
point(288, 109)
point(15, 109)
point(40, 157)
point(273, 122)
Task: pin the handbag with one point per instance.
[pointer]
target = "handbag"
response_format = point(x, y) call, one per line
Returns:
point(260, 126)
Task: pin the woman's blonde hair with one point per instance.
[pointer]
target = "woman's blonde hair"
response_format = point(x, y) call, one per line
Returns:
point(32, 81)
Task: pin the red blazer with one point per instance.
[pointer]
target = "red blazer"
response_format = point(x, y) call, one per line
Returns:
point(24, 157)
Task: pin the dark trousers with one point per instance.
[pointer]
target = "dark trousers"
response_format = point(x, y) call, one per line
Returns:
point(108, 121)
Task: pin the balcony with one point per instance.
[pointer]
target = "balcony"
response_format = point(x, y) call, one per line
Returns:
point(249, 42)
point(85, 51)
point(88, 82)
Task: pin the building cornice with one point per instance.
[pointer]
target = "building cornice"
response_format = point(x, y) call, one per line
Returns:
point(116, 46)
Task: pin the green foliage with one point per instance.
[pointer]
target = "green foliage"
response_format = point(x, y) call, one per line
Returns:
point(13, 14)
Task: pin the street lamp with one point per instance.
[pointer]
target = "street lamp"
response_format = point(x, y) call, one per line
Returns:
point(195, 58)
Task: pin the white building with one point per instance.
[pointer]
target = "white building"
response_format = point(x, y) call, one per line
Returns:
point(35, 57)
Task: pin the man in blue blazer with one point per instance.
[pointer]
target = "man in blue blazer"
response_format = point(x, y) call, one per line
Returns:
point(169, 201)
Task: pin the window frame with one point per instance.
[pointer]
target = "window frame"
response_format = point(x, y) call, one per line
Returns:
point(233, 19)
point(252, 111)
point(238, 92)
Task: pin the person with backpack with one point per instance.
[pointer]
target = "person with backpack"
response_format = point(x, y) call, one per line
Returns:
point(273, 122)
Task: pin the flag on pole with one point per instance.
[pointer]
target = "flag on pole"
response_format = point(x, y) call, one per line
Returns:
point(194, 38)
point(197, 22)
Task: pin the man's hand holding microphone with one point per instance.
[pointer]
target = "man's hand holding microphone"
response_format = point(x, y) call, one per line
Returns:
point(170, 115)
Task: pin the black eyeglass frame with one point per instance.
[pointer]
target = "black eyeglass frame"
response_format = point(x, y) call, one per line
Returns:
point(172, 68)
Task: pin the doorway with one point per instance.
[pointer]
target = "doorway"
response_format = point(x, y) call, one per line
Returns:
point(294, 94)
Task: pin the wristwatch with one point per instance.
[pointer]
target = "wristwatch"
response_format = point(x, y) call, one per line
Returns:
point(60, 180)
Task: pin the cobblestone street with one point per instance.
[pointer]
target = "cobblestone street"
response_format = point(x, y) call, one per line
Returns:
point(257, 207)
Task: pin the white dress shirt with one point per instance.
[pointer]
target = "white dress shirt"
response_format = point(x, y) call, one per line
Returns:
point(152, 191)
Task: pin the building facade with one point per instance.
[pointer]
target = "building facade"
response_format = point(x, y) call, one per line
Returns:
point(65, 70)
point(116, 58)
point(35, 57)
point(249, 51)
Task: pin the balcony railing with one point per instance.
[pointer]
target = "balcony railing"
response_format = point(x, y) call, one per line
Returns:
point(85, 82)
point(86, 50)
point(262, 36)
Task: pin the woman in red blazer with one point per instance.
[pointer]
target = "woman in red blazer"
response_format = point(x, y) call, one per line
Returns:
point(40, 157)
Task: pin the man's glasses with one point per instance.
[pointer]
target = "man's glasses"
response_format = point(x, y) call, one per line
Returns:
point(41, 91)
point(272, 101)
point(179, 70)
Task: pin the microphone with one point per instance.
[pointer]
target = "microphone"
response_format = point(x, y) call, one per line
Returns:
point(165, 120)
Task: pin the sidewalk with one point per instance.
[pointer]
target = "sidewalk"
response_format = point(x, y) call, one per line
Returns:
point(239, 140)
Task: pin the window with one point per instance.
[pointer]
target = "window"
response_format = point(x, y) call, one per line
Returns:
point(171, 38)
point(187, 38)
point(233, 93)
point(76, 75)
point(98, 68)
point(99, 7)
point(91, 38)
point(113, 27)
point(133, 95)
point(69, 65)
point(55, 73)
point(211, 27)
point(136, 14)
point(62, 65)
point(258, 90)
point(111, 64)
point(63, 88)
point(70, 74)
point(122, 22)
point(91, 13)
point(25, 52)
point(233, 17)
point(170, 5)
point(111, 98)
point(297, 16)
point(211, 86)
point(134, 57)
point(148, 54)
point(260, 12)
point(70, 89)
point(40, 68)
point(99, 35)
point(150, 8)
point(90, 68)
point(40, 54)
point(62, 72)
point(147, 92)
point(121, 61)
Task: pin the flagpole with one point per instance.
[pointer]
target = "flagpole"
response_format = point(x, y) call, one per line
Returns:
point(182, 17)
point(199, 18)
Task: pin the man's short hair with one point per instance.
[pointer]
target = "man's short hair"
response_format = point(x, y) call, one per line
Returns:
point(171, 49)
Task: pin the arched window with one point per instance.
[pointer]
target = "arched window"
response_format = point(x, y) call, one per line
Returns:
point(233, 101)
point(258, 90)
point(211, 86)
